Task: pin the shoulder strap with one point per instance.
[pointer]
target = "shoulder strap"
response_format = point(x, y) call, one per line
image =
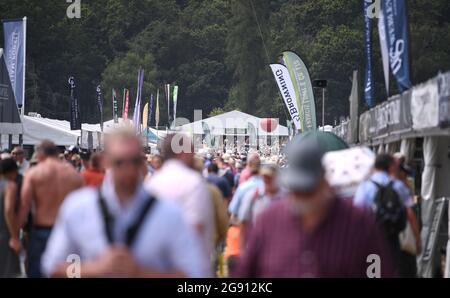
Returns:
point(133, 230)
point(378, 185)
point(108, 219)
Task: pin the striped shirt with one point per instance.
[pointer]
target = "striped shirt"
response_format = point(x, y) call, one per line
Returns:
point(340, 246)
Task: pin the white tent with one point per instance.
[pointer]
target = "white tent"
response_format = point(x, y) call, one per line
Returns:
point(37, 129)
point(231, 123)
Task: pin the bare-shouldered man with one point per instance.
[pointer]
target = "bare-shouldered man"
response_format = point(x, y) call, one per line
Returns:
point(44, 189)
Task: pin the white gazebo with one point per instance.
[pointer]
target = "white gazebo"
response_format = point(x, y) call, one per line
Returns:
point(233, 129)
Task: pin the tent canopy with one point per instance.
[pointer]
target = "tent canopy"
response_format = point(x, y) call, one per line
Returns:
point(231, 123)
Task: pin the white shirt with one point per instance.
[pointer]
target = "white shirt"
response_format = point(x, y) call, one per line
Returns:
point(23, 167)
point(187, 188)
point(164, 241)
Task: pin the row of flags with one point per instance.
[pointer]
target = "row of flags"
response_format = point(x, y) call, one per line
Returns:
point(140, 120)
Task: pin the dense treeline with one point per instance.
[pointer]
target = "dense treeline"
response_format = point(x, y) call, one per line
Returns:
point(212, 49)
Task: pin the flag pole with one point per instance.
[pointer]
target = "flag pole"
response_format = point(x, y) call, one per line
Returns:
point(24, 62)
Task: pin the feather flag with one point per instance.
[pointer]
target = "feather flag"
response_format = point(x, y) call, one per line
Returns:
point(150, 112)
point(126, 96)
point(115, 106)
point(100, 105)
point(167, 93)
point(175, 98)
point(157, 110)
point(145, 117)
point(137, 105)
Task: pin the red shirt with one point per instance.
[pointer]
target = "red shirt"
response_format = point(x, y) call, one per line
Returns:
point(92, 177)
point(339, 247)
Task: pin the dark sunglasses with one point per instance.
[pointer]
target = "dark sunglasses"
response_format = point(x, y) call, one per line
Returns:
point(135, 161)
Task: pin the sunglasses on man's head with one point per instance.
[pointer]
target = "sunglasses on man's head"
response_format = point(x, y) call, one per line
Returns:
point(135, 161)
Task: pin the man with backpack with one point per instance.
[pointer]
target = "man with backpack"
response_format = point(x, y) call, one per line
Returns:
point(386, 198)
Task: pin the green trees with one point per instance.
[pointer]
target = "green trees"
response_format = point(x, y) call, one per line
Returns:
point(211, 49)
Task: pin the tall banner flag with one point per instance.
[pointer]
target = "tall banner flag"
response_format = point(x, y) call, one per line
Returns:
point(145, 117)
point(384, 49)
point(354, 108)
point(157, 110)
point(281, 74)
point(303, 89)
point(10, 122)
point(115, 107)
point(137, 105)
point(368, 81)
point(175, 99)
point(150, 112)
point(167, 93)
point(15, 32)
point(396, 24)
point(126, 95)
point(75, 121)
point(100, 105)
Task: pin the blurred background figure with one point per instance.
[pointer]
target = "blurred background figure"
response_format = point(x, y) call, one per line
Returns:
point(389, 200)
point(94, 172)
point(130, 233)
point(258, 200)
point(19, 156)
point(252, 162)
point(76, 162)
point(179, 182)
point(219, 181)
point(253, 182)
point(156, 163)
point(85, 159)
point(45, 186)
point(9, 247)
point(311, 233)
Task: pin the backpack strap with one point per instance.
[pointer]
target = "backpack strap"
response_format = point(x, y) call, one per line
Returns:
point(108, 219)
point(133, 230)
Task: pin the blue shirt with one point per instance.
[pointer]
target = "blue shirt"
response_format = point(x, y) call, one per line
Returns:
point(251, 184)
point(365, 194)
point(221, 183)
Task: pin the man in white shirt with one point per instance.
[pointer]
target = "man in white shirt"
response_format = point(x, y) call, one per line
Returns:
point(178, 182)
point(19, 156)
point(120, 230)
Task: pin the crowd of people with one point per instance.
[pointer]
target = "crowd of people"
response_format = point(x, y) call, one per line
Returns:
point(123, 213)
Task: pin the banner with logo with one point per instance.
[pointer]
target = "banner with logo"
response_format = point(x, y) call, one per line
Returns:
point(115, 106)
point(75, 119)
point(303, 89)
point(281, 74)
point(15, 54)
point(384, 50)
point(396, 24)
point(100, 105)
point(368, 81)
point(175, 98)
point(10, 122)
point(126, 102)
point(444, 100)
